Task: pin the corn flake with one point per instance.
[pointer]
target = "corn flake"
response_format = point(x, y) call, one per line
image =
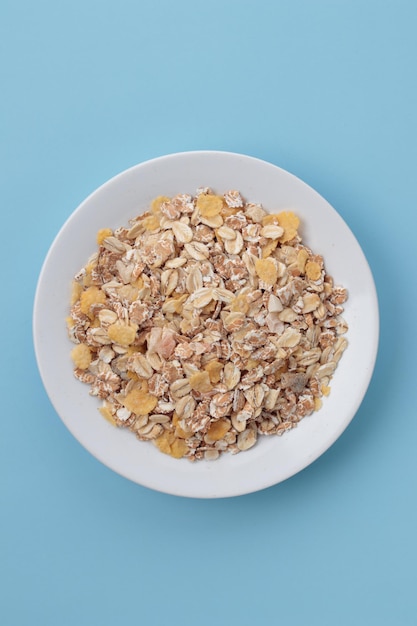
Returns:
point(313, 270)
point(102, 234)
point(81, 356)
point(218, 430)
point(268, 249)
point(200, 381)
point(92, 295)
point(209, 205)
point(122, 334)
point(266, 270)
point(214, 369)
point(168, 443)
point(107, 414)
point(289, 222)
point(140, 402)
point(240, 304)
point(157, 203)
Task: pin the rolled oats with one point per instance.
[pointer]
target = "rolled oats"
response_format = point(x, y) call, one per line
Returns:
point(206, 323)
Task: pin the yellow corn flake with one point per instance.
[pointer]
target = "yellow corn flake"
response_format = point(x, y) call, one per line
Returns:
point(151, 222)
point(81, 356)
point(102, 234)
point(87, 279)
point(209, 205)
point(289, 234)
point(106, 413)
point(288, 219)
point(325, 390)
point(313, 270)
point(266, 270)
point(178, 448)
point(128, 292)
point(302, 257)
point(269, 248)
point(289, 222)
point(180, 432)
point(140, 402)
point(168, 443)
point(122, 334)
point(214, 369)
point(218, 430)
point(76, 291)
point(157, 203)
point(251, 364)
point(271, 218)
point(240, 304)
point(317, 404)
point(92, 295)
point(164, 441)
point(70, 322)
point(200, 381)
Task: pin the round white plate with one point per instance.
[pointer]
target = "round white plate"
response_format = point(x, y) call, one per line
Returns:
point(273, 459)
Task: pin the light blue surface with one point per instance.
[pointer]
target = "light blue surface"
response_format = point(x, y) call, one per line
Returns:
point(325, 89)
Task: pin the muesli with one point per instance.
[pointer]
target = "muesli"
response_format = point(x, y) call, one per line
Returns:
point(206, 323)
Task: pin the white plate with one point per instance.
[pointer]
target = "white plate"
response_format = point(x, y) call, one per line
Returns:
point(273, 459)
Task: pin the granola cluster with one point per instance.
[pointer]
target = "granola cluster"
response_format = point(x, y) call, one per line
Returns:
point(206, 323)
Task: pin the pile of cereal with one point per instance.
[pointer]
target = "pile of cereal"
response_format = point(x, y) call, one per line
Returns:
point(206, 323)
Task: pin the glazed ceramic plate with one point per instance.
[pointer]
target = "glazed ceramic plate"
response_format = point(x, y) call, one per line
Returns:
point(273, 459)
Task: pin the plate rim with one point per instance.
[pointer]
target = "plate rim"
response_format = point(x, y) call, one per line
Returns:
point(151, 483)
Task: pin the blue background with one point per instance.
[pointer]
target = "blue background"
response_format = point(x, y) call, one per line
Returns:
point(325, 89)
